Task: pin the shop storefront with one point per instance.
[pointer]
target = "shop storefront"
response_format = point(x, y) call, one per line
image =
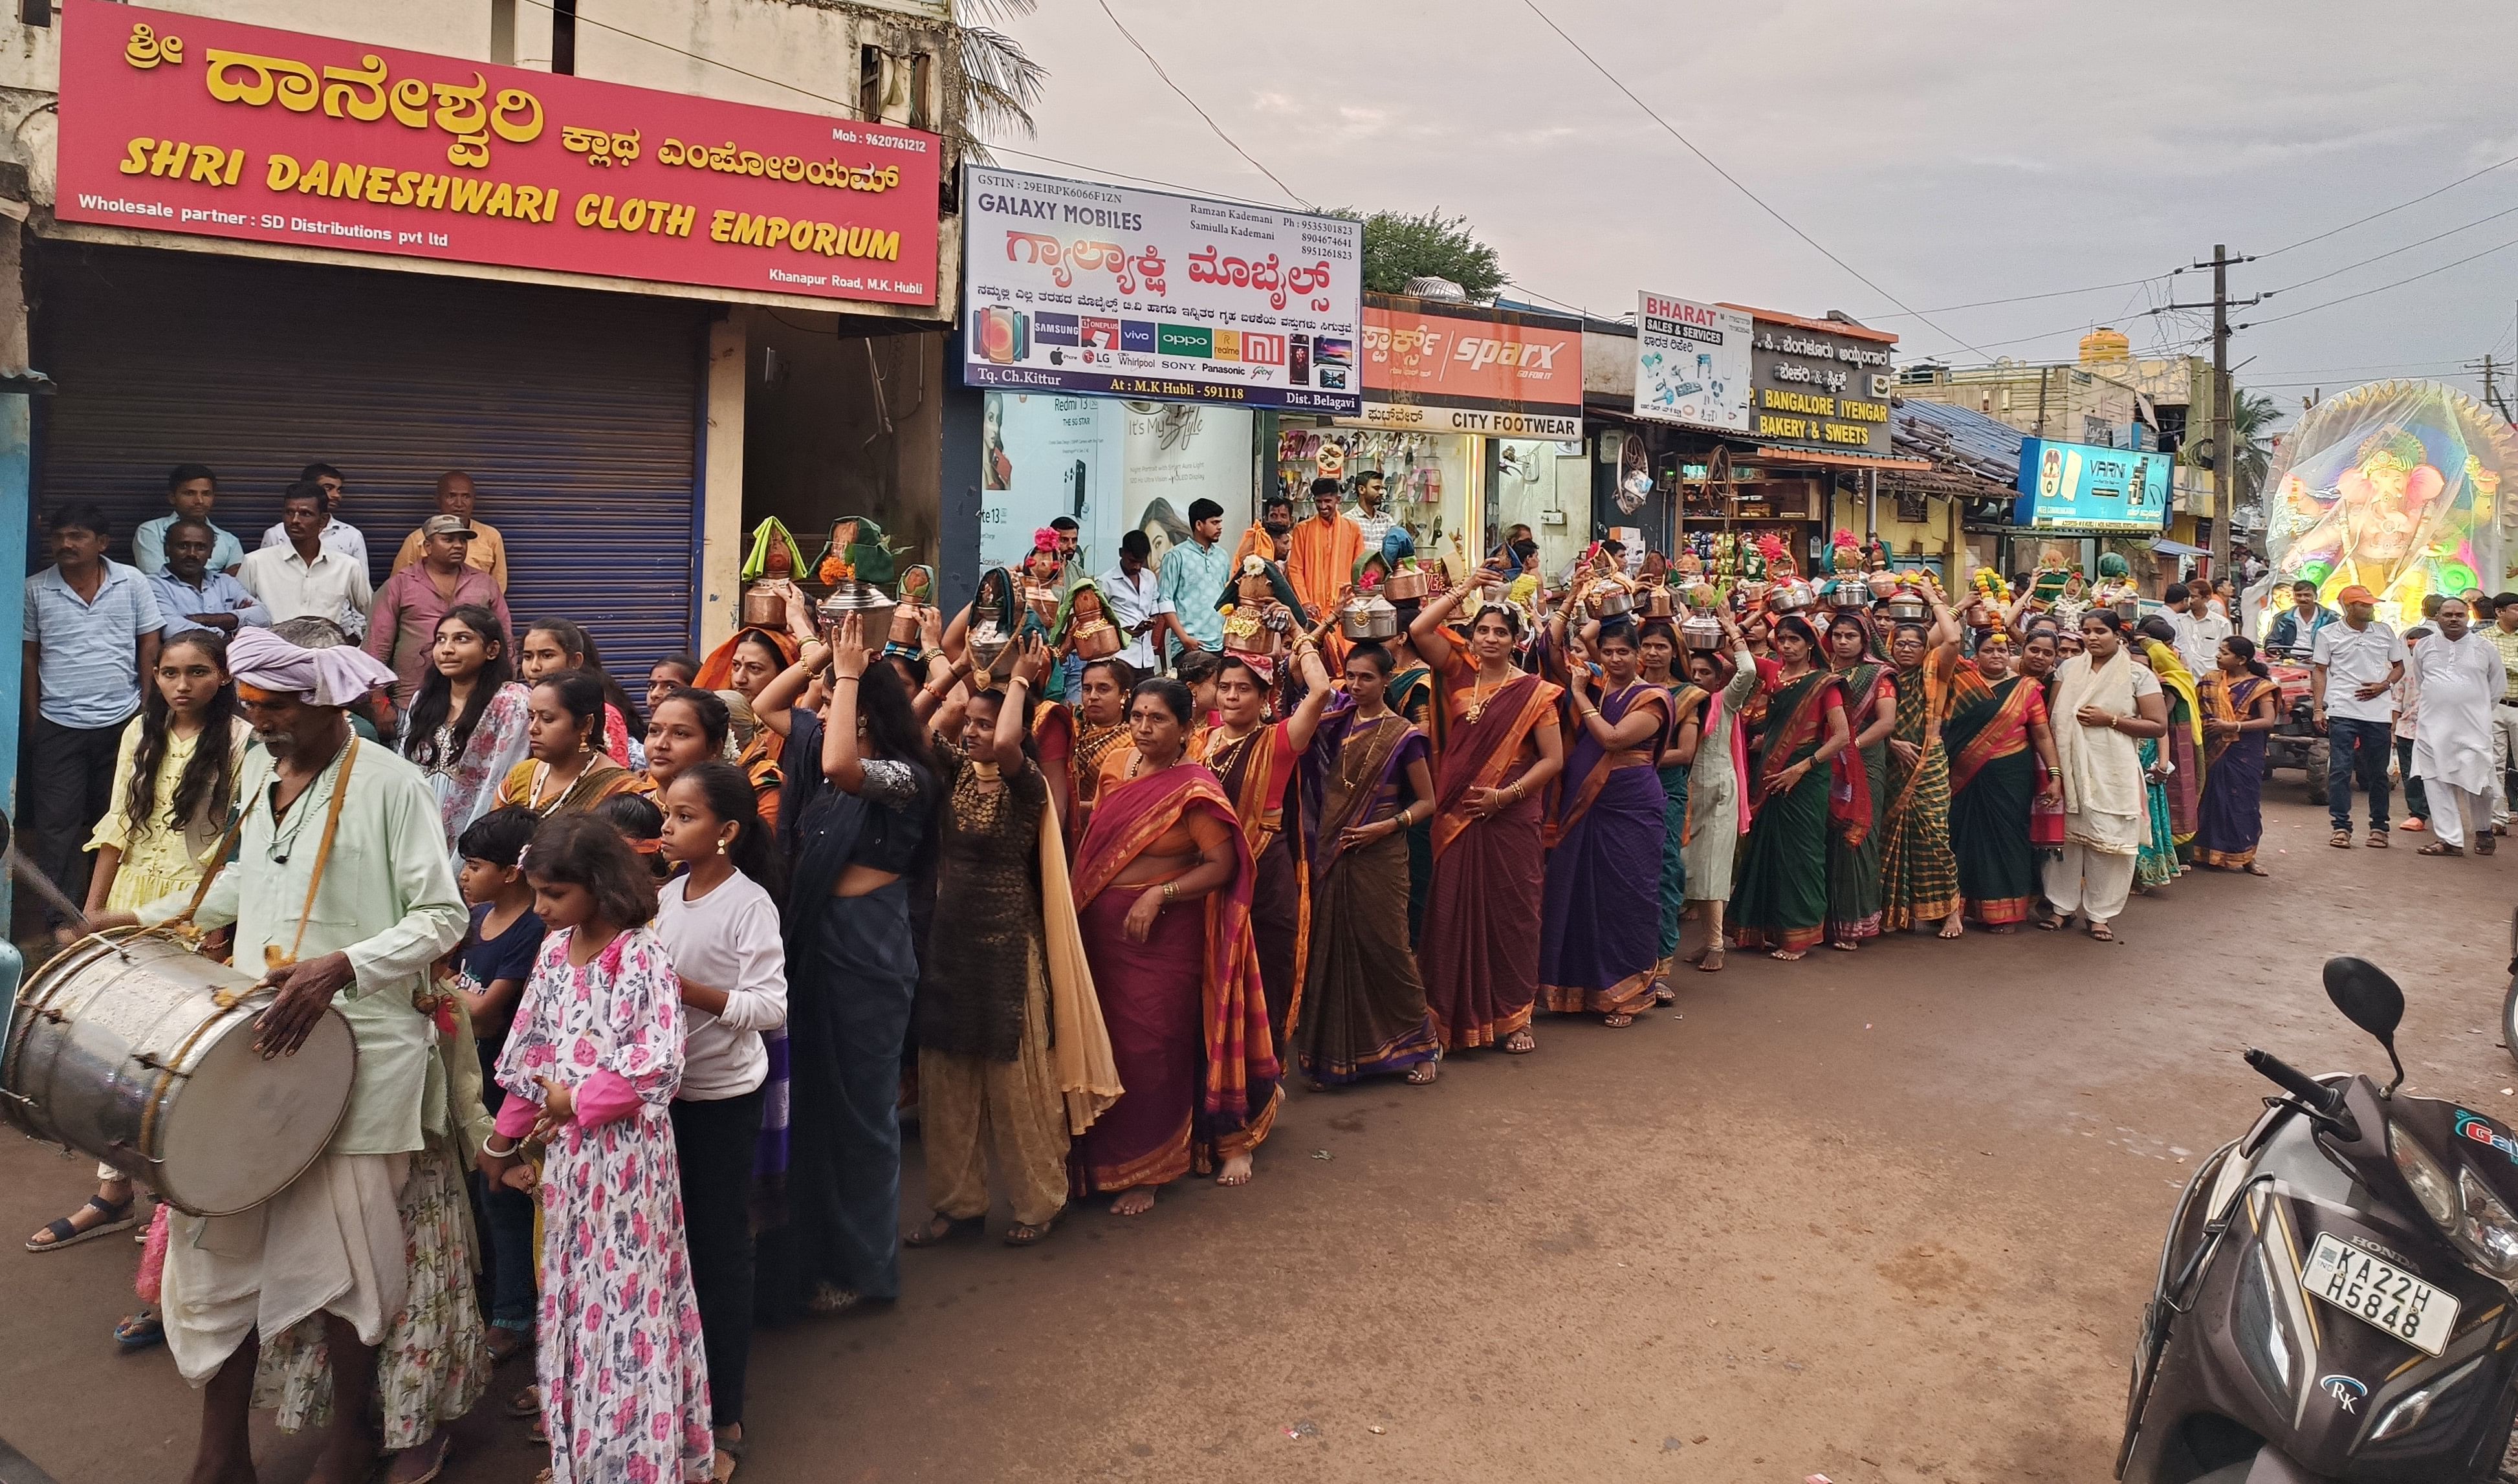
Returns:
point(1473, 418)
point(1126, 353)
point(489, 282)
point(2079, 501)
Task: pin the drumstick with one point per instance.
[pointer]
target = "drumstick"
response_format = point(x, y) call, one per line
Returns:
point(43, 887)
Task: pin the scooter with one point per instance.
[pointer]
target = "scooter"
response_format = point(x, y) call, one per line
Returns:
point(2334, 1302)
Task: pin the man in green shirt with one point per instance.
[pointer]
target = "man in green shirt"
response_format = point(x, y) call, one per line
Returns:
point(351, 923)
point(2503, 635)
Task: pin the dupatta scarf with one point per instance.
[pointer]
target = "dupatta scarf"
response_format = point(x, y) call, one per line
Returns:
point(2232, 699)
point(1241, 1056)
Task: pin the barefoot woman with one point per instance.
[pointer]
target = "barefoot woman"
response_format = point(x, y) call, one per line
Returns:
point(1781, 904)
point(1480, 950)
point(1162, 885)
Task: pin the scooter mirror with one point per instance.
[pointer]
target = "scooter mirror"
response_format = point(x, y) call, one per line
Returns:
point(2367, 996)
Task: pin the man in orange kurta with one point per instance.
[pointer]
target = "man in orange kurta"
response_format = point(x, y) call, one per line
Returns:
point(1326, 548)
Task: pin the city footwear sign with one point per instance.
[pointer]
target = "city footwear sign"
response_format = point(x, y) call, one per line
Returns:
point(1078, 286)
point(1450, 369)
point(179, 123)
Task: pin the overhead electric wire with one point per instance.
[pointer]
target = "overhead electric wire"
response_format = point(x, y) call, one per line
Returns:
point(2393, 252)
point(1736, 184)
point(1152, 62)
point(2389, 211)
point(2381, 289)
point(2059, 293)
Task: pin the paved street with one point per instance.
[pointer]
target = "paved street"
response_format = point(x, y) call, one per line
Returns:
point(1887, 1217)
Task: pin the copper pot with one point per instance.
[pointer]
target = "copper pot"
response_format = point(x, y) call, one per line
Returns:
point(764, 607)
point(904, 624)
point(1659, 604)
point(1406, 584)
point(1098, 639)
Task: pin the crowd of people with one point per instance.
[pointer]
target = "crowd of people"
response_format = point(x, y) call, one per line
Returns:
point(641, 984)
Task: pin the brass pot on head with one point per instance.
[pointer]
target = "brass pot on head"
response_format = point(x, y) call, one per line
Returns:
point(873, 606)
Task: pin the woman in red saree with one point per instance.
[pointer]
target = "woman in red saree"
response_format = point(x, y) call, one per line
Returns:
point(1162, 889)
point(1479, 954)
point(1254, 760)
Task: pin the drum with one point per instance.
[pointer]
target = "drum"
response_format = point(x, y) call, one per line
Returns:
point(121, 1049)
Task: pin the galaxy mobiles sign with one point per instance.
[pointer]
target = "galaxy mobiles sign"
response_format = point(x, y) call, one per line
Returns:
point(1081, 287)
point(179, 123)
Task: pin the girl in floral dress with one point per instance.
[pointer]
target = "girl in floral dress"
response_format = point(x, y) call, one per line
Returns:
point(591, 1065)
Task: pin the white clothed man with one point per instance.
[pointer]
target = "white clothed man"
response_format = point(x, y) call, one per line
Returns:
point(353, 929)
point(2459, 676)
point(2199, 632)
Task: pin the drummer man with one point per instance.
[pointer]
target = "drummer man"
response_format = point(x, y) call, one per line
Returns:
point(358, 938)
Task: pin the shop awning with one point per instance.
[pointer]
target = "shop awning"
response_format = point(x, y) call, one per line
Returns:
point(2166, 547)
point(1768, 452)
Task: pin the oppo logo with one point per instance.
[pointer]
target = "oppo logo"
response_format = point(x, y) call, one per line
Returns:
point(1481, 352)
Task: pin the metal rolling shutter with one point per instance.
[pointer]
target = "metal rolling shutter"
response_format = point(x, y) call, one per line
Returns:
point(575, 411)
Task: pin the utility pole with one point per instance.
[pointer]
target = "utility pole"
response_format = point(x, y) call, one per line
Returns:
point(2225, 463)
point(2491, 389)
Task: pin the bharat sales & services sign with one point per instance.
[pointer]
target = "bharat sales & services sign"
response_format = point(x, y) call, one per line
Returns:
point(179, 123)
point(1692, 362)
point(1080, 287)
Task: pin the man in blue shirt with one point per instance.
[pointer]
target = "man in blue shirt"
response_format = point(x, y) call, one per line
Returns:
point(1193, 576)
point(91, 632)
point(191, 596)
point(192, 489)
point(2295, 627)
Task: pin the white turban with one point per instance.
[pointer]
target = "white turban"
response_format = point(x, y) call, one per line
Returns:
point(337, 676)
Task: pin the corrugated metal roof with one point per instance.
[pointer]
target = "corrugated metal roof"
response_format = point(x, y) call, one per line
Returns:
point(1956, 439)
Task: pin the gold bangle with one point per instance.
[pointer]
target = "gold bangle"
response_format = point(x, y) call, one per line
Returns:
point(1171, 892)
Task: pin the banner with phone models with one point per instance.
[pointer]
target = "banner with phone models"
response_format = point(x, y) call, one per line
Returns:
point(1692, 362)
point(1102, 291)
point(1108, 466)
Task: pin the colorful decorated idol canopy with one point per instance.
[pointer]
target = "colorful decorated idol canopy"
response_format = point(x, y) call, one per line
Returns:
point(2394, 486)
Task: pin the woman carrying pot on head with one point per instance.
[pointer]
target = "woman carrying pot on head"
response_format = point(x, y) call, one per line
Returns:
point(1781, 901)
point(2002, 766)
point(1718, 776)
point(1854, 843)
point(1919, 877)
point(1479, 952)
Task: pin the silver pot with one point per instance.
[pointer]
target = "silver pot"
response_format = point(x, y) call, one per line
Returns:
point(988, 641)
point(870, 603)
point(1610, 601)
point(1701, 634)
point(1849, 593)
point(1906, 608)
point(1370, 616)
point(1788, 598)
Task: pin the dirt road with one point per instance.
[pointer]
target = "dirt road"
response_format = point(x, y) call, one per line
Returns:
point(1887, 1216)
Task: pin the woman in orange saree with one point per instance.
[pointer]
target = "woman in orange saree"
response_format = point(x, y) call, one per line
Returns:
point(1162, 891)
point(1254, 759)
point(1479, 954)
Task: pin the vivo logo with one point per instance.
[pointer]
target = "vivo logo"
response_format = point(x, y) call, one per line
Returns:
point(1481, 353)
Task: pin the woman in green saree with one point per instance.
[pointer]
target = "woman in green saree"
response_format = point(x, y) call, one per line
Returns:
point(2002, 758)
point(1918, 876)
point(1780, 901)
point(1853, 846)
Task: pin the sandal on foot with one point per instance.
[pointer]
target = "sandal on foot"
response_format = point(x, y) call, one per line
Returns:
point(830, 1298)
point(1423, 1073)
point(527, 1402)
point(2253, 869)
point(140, 1332)
point(437, 1465)
point(505, 1345)
point(2441, 847)
point(2485, 845)
point(2377, 837)
point(2053, 922)
point(1617, 1022)
point(66, 1232)
point(954, 1228)
point(2099, 930)
point(1024, 1234)
point(2342, 840)
point(1520, 1043)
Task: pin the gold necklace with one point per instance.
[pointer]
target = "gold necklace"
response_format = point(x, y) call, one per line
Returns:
point(1480, 695)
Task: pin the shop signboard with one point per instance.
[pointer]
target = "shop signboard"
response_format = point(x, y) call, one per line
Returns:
point(1077, 287)
point(181, 124)
point(2090, 487)
point(1448, 369)
point(1820, 388)
point(1692, 364)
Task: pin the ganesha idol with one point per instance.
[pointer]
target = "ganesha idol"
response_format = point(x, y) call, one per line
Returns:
point(2385, 526)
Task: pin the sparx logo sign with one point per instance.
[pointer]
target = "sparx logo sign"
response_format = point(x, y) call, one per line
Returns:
point(1480, 352)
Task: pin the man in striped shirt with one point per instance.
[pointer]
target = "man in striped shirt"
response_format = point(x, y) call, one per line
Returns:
point(91, 634)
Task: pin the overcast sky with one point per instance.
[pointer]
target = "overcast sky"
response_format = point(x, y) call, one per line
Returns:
point(1950, 150)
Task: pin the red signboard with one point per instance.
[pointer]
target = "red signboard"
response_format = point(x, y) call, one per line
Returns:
point(177, 123)
point(1466, 369)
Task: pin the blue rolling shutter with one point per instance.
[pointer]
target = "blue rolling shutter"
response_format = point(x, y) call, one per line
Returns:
point(575, 411)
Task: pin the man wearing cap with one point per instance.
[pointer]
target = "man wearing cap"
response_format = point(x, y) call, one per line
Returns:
point(455, 497)
point(402, 628)
point(341, 897)
point(2353, 670)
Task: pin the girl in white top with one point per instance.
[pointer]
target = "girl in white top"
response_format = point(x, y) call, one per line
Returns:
point(720, 924)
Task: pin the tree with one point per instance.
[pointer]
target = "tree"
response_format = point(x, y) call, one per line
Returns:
point(1398, 248)
point(998, 80)
point(2252, 415)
